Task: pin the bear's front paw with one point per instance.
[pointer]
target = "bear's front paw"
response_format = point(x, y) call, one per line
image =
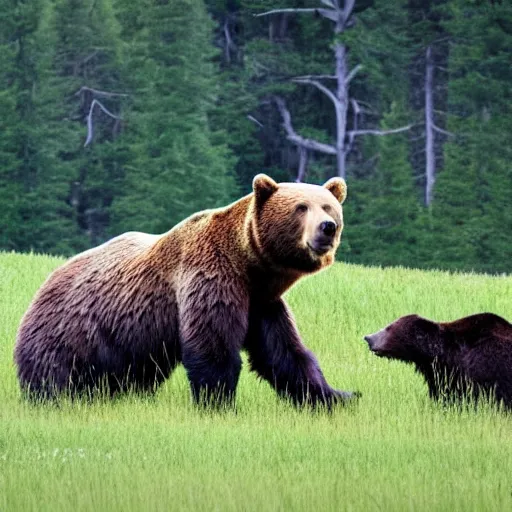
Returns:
point(346, 397)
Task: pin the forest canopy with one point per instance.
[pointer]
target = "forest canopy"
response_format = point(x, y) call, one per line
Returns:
point(119, 116)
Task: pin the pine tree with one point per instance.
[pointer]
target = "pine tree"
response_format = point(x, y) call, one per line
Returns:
point(58, 193)
point(472, 214)
point(85, 67)
point(383, 209)
point(183, 162)
point(10, 189)
point(177, 96)
point(23, 57)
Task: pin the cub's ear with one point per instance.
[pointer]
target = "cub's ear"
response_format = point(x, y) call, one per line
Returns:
point(263, 187)
point(425, 326)
point(338, 188)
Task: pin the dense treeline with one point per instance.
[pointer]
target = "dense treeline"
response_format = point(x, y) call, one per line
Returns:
point(118, 115)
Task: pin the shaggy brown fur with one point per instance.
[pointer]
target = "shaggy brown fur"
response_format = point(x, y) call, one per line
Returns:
point(127, 312)
point(458, 359)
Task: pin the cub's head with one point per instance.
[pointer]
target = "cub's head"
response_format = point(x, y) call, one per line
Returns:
point(411, 338)
point(295, 225)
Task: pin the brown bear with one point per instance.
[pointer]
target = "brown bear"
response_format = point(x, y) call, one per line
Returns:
point(466, 358)
point(127, 312)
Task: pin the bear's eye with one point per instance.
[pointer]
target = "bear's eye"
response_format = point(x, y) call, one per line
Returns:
point(301, 208)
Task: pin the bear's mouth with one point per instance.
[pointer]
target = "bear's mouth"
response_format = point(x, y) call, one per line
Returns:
point(381, 352)
point(320, 249)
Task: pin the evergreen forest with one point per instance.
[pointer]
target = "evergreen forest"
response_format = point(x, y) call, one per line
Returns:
point(122, 115)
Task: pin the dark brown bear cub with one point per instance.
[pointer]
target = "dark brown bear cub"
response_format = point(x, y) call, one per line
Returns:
point(465, 358)
point(127, 312)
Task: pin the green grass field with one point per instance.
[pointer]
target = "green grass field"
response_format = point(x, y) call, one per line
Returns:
point(393, 450)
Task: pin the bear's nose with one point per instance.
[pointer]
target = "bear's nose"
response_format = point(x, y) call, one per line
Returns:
point(328, 228)
point(369, 340)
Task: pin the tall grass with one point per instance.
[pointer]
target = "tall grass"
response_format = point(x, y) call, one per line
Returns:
point(393, 450)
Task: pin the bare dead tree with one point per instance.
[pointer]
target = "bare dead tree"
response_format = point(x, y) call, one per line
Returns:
point(97, 92)
point(303, 164)
point(90, 125)
point(430, 157)
point(297, 139)
point(91, 93)
point(430, 128)
point(228, 43)
point(341, 16)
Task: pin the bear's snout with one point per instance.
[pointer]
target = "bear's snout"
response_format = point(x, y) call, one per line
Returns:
point(369, 340)
point(324, 238)
point(375, 342)
point(328, 228)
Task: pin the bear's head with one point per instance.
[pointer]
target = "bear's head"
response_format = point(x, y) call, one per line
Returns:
point(411, 338)
point(295, 225)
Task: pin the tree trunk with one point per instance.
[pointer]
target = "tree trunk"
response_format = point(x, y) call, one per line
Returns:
point(303, 164)
point(430, 157)
point(341, 107)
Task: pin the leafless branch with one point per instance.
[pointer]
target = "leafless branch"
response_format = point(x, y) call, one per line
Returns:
point(355, 107)
point(230, 45)
point(315, 77)
point(90, 127)
point(347, 9)
point(320, 86)
point(353, 73)
point(330, 14)
point(356, 133)
point(440, 130)
point(85, 60)
point(369, 105)
point(294, 137)
point(97, 92)
point(279, 11)
point(254, 120)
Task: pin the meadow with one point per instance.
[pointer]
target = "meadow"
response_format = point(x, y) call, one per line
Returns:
point(393, 450)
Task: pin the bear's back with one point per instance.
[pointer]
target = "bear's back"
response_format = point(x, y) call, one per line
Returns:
point(481, 328)
point(96, 300)
point(122, 247)
point(485, 352)
point(92, 270)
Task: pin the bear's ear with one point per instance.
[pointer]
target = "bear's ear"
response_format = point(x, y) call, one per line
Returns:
point(338, 188)
point(263, 187)
point(424, 325)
